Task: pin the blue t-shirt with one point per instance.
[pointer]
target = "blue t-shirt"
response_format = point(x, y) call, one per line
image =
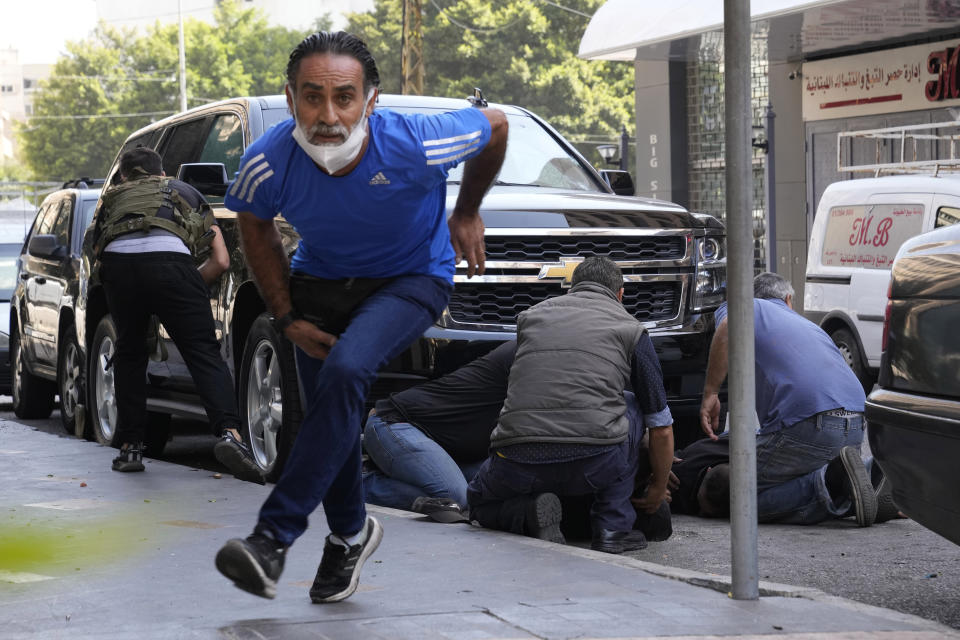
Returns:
point(799, 370)
point(384, 218)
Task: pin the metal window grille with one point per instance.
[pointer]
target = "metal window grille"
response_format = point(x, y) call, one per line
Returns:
point(705, 131)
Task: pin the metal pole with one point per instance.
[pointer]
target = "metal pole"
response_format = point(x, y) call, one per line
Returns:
point(624, 145)
point(771, 193)
point(740, 379)
point(183, 61)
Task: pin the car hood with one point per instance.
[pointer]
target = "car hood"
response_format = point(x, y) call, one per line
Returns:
point(533, 207)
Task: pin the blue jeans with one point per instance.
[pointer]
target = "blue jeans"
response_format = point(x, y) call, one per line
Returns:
point(411, 465)
point(791, 465)
point(325, 461)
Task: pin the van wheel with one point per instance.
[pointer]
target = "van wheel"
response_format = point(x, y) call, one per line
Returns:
point(850, 350)
point(32, 396)
point(269, 397)
point(69, 380)
point(101, 398)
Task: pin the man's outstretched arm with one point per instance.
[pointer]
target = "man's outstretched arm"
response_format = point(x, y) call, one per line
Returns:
point(466, 226)
point(716, 374)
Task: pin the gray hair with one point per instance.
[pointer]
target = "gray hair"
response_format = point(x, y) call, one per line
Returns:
point(600, 270)
point(770, 286)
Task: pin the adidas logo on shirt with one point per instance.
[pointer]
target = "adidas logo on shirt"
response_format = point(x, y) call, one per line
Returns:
point(379, 179)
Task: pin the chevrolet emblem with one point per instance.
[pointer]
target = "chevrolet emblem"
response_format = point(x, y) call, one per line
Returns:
point(563, 269)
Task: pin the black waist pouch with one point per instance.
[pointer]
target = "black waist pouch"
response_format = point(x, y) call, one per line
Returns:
point(329, 304)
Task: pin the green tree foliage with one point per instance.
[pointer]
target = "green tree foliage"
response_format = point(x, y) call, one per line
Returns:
point(116, 72)
point(517, 51)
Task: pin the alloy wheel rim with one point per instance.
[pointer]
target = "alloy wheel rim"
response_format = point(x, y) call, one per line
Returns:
point(69, 391)
point(105, 395)
point(264, 404)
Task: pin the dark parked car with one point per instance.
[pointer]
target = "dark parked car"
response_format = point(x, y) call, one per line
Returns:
point(549, 209)
point(44, 357)
point(914, 413)
point(9, 252)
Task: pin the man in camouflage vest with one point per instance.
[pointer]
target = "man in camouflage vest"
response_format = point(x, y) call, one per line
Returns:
point(149, 231)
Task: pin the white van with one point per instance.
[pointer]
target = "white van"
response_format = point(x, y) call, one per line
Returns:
point(858, 228)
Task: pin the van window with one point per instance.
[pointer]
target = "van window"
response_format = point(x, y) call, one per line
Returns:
point(947, 216)
point(869, 236)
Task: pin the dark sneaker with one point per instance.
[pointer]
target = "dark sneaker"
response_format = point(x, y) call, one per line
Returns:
point(442, 510)
point(543, 514)
point(339, 572)
point(130, 459)
point(237, 457)
point(856, 484)
point(254, 564)
point(618, 541)
point(886, 509)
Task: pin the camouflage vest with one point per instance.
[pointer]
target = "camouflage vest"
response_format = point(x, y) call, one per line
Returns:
point(133, 206)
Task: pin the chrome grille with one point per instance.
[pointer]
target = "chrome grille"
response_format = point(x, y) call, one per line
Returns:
point(499, 303)
point(552, 248)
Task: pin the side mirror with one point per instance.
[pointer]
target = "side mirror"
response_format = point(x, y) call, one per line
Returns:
point(209, 178)
point(46, 246)
point(619, 181)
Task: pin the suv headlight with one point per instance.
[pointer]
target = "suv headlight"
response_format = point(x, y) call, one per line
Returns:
point(710, 286)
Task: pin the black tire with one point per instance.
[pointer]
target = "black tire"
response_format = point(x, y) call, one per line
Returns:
point(157, 434)
point(70, 375)
point(270, 409)
point(850, 350)
point(101, 398)
point(33, 397)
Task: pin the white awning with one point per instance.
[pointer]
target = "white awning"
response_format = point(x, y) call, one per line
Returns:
point(655, 29)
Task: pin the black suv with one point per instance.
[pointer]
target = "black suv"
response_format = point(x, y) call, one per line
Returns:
point(45, 360)
point(549, 209)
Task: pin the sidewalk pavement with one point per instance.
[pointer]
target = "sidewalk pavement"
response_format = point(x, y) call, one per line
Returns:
point(89, 553)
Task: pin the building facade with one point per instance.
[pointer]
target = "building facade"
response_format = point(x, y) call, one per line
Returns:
point(823, 67)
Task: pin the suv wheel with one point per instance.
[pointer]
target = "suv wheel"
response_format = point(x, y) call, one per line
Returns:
point(850, 350)
point(69, 380)
point(269, 397)
point(102, 399)
point(32, 396)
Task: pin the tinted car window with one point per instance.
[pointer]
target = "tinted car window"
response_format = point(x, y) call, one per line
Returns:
point(8, 269)
point(181, 145)
point(61, 225)
point(87, 207)
point(224, 143)
point(947, 216)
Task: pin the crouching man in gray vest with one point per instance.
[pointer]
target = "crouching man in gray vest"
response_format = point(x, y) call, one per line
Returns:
point(564, 430)
point(147, 234)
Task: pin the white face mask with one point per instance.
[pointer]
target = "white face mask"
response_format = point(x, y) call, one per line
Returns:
point(334, 157)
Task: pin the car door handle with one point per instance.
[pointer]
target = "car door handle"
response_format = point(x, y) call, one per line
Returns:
point(41, 280)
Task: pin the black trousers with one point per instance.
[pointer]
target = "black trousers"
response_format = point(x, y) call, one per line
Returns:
point(169, 286)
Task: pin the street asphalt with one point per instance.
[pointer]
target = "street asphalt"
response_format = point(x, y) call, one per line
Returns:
point(89, 553)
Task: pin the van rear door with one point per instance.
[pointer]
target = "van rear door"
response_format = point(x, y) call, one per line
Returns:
point(884, 223)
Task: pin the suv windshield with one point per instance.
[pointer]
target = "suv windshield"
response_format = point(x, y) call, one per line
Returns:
point(534, 157)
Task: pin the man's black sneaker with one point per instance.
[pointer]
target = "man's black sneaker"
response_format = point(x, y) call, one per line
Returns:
point(542, 518)
point(238, 458)
point(254, 564)
point(856, 484)
point(130, 459)
point(339, 571)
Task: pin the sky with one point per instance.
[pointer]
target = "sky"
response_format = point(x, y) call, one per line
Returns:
point(39, 29)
